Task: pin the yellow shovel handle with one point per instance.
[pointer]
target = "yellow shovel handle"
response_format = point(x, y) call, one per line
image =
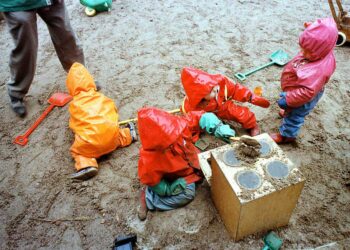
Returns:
point(135, 119)
point(235, 138)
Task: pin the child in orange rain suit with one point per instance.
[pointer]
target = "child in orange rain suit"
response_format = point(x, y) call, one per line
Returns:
point(168, 163)
point(217, 93)
point(94, 120)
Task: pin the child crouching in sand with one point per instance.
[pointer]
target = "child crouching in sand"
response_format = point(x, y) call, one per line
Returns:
point(218, 94)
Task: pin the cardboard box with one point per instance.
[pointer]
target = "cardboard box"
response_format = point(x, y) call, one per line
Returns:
point(252, 194)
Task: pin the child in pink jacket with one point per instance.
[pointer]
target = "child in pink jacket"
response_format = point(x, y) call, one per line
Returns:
point(304, 77)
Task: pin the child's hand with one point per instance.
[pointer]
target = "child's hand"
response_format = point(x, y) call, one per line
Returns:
point(224, 132)
point(211, 123)
point(259, 101)
point(282, 102)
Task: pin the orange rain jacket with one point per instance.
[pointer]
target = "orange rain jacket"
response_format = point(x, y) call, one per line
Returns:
point(94, 120)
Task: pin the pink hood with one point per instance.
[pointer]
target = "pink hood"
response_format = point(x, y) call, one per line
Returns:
point(303, 79)
point(319, 38)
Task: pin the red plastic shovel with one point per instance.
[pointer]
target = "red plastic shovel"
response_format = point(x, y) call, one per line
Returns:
point(57, 99)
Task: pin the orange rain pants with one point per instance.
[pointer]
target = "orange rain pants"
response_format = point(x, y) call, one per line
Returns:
point(94, 120)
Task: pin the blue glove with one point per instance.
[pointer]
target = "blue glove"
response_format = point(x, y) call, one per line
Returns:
point(213, 125)
point(282, 102)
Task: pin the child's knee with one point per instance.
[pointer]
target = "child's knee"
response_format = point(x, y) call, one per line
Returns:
point(190, 191)
point(124, 137)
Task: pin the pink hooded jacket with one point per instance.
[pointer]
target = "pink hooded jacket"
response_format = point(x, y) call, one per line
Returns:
point(302, 79)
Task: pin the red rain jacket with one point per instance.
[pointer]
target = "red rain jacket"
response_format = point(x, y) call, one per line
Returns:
point(302, 79)
point(167, 146)
point(198, 84)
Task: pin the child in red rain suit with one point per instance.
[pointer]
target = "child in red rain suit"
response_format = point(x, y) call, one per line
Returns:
point(168, 163)
point(304, 77)
point(217, 93)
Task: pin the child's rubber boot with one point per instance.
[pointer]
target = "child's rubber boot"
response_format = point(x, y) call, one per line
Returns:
point(133, 133)
point(282, 113)
point(279, 139)
point(254, 131)
point(98, 86)
point(84, 174)
point(142, 211)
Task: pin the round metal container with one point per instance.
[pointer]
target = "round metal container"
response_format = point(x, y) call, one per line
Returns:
point(230, 159)
point(277, 169)
point(249, 179)
point(265, 148)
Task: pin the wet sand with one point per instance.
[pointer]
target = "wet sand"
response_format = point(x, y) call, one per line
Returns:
point(136, 52)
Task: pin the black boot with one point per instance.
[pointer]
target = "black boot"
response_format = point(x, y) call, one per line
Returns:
point(98, 86)
point(18, 107)
point(133, 132)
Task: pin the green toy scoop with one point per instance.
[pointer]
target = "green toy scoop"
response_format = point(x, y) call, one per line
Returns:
point(278, 57)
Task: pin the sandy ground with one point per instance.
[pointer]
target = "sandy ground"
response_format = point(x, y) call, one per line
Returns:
point(137, 51)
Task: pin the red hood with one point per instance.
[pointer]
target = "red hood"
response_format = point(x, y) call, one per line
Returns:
point(198, 84)
point(158, 129)
point(319, 38)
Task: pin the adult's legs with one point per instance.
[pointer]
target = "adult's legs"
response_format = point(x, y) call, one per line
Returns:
point(23, 29)
point(62, 35)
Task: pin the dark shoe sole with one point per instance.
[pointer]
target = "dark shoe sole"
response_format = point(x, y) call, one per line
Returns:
point(20, 113)
point(84, 174)
point(98, 86)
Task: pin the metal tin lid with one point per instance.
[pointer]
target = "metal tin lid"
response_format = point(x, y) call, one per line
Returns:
point(230, 159)
point(249, 179)
point(277, 169)
point(265, 148)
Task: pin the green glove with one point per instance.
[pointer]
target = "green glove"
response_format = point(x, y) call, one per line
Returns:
point(164, 188)
point(209, 122)
point(224, 131)
point(213, 125)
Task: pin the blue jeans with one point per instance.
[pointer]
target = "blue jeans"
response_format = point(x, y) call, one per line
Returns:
point(294, 119)
point(165, 203)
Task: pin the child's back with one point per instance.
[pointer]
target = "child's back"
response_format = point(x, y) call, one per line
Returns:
point(94, 120)
point(93, 116)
